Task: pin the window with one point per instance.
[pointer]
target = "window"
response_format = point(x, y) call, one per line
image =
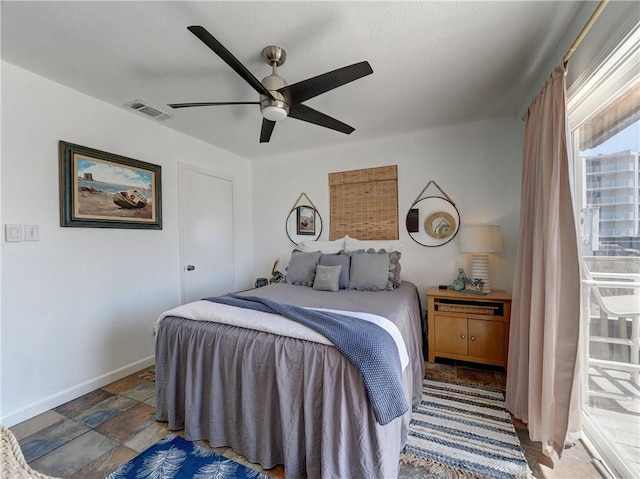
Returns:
point(604, 117)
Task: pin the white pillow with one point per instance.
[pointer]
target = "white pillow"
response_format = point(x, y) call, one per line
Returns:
point(325, 247)
point(352, 244)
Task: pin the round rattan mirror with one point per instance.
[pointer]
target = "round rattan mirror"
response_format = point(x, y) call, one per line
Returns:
point(433, 221)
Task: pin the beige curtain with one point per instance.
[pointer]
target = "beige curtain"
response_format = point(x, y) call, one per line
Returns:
point(542, 375)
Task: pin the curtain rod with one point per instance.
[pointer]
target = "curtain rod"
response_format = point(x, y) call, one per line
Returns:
point(576, 43)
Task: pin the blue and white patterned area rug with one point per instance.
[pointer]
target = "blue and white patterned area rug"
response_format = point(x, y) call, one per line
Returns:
point(175, 457)
point(464, 431)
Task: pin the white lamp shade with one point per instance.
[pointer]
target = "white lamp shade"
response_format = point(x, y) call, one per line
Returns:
point(480, 239)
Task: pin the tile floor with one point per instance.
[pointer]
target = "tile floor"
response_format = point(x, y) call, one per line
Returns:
point(89, 437)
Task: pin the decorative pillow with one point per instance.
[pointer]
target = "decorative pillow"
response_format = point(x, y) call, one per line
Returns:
point(327, 278)
point(326, 247)
point(369, 271)
point(352, 244)
point(302, 268)
point(343, 260)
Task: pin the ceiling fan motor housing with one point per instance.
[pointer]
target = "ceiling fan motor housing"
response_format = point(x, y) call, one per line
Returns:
point(275, 108)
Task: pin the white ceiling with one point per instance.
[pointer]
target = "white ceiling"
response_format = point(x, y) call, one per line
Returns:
point(434, 63)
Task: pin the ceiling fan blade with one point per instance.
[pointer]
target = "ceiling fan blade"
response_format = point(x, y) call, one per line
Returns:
point(304, 113)
point(267, 129)
point(212, 103)
point(229, 59)
point(305, 89)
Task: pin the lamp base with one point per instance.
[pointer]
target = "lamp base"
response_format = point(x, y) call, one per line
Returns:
point(480, 269)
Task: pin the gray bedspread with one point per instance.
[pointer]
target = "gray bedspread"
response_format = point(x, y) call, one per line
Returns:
point(370, 348)
point(279, 400)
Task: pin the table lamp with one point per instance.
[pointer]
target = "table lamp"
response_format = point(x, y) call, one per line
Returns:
point(480, 241)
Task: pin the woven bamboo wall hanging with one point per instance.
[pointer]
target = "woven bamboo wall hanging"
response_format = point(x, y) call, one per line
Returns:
point(364, 203)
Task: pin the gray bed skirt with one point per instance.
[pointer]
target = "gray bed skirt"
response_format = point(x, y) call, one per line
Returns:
point(279, 400)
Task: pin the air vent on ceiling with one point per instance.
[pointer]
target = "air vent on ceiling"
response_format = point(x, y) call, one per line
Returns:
point(148, 110)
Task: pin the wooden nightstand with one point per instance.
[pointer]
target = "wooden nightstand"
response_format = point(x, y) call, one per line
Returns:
point(468, 327)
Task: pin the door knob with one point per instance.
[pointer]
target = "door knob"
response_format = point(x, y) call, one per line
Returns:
point(190, 267)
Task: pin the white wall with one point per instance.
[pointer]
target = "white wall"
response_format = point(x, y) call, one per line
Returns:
point(77, 306)
point(477, 164)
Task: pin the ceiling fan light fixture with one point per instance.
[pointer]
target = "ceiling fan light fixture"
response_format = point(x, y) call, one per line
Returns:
point(274, 109)
point(274, 113)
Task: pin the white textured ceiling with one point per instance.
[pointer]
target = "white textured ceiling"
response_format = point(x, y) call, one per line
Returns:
point(434, 63)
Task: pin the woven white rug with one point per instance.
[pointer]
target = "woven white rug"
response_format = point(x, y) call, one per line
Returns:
point(464, 431)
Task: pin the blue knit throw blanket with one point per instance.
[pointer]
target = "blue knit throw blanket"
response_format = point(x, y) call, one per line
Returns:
point(367, 346)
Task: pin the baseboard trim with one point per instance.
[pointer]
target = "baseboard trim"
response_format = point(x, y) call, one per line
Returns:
point(74, 392)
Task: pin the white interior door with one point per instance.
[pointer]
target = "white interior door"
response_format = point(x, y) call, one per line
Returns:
point(206, 234)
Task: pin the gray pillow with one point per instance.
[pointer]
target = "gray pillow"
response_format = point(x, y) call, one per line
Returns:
point(343, 260)
point(327, 278)
point(302, 268)
point(369, 270)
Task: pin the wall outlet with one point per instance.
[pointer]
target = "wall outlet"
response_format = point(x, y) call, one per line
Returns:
point(31, 233)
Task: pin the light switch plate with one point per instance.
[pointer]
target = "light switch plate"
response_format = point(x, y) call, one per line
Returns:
point(12, 233)
point(31, 233)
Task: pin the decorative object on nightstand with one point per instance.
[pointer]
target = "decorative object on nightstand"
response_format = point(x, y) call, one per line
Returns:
point(473, 286)
point(439, 214)
point(460, 281)
point(276, 276)
point(467, 327)
point(480, 241)
point(466, 285)
point(260, 282)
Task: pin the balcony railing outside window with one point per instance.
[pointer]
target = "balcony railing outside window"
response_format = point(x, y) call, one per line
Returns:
point(614, 167)
point(611, 321)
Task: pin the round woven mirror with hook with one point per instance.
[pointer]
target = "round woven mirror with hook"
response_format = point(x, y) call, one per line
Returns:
point(440, 225)
point(433, 221)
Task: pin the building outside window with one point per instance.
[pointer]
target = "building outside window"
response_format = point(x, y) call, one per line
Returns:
point(612, 182)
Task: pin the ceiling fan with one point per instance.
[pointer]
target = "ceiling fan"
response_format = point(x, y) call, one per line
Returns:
point(277, 99)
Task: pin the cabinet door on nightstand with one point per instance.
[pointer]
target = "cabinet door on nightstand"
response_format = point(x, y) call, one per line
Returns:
point(486, 339)
point(451, 335)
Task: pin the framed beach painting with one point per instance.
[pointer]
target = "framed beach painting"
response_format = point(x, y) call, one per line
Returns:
point(306, 220)
point(104, 190)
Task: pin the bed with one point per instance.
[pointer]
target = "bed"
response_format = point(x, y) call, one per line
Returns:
point(283, 400)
